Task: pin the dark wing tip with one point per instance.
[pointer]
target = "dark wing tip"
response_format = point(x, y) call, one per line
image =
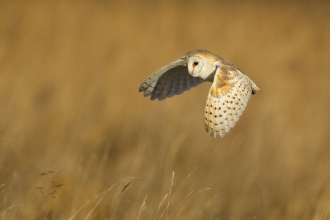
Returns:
point(254, 91)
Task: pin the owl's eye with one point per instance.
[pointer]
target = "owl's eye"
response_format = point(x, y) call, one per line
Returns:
point(195, 63)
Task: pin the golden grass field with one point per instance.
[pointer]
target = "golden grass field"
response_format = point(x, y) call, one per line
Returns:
point(74, 131)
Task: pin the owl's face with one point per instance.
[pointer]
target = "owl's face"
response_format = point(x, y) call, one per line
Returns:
point(200, 66)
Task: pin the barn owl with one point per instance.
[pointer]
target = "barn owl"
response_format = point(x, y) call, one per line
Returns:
point(228, 96)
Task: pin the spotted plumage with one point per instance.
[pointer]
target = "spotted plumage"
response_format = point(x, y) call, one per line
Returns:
point(228, 96)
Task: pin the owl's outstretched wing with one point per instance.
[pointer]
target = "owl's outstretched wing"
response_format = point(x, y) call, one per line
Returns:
point(227, 99)
point(170, 80)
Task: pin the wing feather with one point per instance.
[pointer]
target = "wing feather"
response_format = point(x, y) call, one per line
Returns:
point(170, 80)
point(227, 99)
point(189, 81)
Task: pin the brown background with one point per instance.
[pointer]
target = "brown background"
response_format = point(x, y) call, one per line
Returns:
point(70, 111)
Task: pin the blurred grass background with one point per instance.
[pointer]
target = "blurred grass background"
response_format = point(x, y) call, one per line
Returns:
point(72, 123)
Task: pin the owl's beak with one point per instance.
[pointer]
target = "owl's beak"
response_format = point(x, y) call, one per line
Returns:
point(192, 71)
point(193, 68)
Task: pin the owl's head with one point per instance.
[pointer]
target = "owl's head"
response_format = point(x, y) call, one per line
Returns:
point(201, 64)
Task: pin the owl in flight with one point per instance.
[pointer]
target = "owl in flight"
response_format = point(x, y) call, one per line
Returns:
point(229, 94)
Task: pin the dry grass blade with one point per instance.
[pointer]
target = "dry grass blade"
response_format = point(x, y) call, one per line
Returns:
point(169, 195)
point(81, 207)
point(54, 201)
point(143, 207)
point(113, 209)
point(103, 194)
point(160, 204)
point(100, 194)
point(94, 207)
point(189, 200)
point(170, 200)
